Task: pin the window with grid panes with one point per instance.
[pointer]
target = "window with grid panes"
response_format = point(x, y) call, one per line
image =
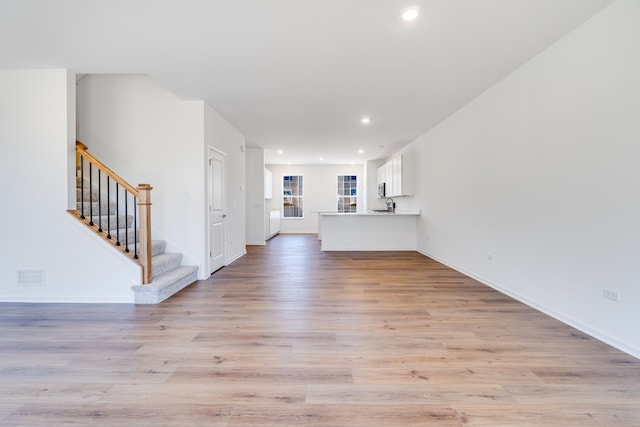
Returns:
point(347, 193)
point(292, 196)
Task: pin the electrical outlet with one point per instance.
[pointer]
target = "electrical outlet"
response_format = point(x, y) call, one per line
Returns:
point(610, 295)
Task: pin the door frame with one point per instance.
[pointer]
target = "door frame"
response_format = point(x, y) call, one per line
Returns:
point(210, 153)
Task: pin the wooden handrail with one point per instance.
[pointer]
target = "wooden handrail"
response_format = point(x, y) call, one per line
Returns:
point(143, 194)
point(81, 149)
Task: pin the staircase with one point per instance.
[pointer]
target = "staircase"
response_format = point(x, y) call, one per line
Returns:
point(100, 213)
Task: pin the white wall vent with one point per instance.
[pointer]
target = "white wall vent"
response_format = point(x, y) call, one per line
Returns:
point(31, 278)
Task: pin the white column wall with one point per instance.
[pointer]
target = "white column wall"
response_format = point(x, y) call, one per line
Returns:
point(372, 185)
point(36, 167)
point(220, 135)
point(541, 174)
point(255, 196)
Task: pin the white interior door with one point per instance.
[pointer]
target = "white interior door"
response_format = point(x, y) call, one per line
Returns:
point(216, 209)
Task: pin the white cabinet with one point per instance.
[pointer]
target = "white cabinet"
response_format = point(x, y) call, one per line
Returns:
point(388, 178)
point(397, 174)
point(274, 222)
point(271, 224)
point(268, 184)
point(381, 175)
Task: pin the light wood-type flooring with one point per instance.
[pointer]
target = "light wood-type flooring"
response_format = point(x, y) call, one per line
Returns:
point(291, 336)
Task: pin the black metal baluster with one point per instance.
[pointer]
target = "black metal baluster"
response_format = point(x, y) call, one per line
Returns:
point(118, 213)
point(99, 202)
point(82, 187)
point(108, 207)
point(90, 194)
point(135, 227)
point(126, 221)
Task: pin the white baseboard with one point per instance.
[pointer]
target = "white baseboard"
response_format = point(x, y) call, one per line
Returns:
point(236, 257)
point(367, 249)
point(69, 300)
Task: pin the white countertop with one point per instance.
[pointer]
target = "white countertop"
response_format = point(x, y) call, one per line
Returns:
point(369, 213)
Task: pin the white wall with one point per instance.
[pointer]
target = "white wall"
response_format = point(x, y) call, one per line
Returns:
point(541, 172)
point(320, 192)
point(255, 196)
point(146, 134)
point(36, 167)
point(220, 135)
point(373, 202)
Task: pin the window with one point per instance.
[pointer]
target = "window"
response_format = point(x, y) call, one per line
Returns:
point(292, 201)
point(347, 193)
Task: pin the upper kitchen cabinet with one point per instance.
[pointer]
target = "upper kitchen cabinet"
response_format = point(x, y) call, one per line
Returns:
point(397, 175)
point(268, 184)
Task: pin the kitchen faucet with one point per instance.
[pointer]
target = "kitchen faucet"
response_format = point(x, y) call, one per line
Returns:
point(391, 205)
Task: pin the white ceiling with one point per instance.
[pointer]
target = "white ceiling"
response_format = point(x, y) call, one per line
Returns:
point(298, 75)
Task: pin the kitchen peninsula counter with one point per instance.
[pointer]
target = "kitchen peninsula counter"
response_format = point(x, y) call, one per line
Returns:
point(369, 231)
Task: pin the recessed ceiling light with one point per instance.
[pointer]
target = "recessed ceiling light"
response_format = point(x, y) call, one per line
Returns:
point(365, 120)
point(321, 158)
point(280, 151)
point(410, 13)
point(288, 163)
point(360, 151)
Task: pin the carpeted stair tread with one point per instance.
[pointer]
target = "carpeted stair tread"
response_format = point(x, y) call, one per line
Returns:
point(158, 247)
point(165, 262)
point(165, 285)
point(87, 194)
point(111, 221)
point(103, 208)
point(132, 235)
